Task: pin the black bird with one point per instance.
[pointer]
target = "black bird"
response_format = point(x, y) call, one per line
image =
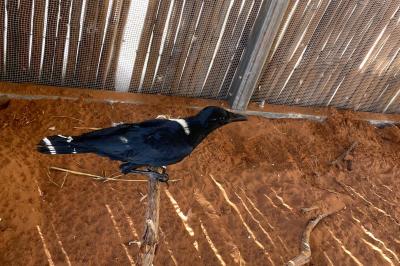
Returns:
point(151, 143)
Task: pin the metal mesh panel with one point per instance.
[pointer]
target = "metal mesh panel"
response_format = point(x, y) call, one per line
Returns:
point(178, 47)
point(336, 53)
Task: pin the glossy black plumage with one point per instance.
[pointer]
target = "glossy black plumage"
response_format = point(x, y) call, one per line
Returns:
point(157, 142)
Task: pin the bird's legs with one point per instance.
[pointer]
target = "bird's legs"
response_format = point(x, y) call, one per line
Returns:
point(151, 172)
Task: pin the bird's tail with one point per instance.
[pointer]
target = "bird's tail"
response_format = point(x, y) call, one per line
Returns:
point(60, 145)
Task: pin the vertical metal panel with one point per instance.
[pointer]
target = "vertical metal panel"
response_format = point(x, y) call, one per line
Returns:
point(261, 39)
point(241, 42)
point(349, 57)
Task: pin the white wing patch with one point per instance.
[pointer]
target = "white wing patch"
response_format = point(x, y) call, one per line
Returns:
point(184, 125)
point(123, 139)
point(69, 139)
point(49, 146)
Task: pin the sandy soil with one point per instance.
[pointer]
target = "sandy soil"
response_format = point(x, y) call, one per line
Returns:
point(239, 200)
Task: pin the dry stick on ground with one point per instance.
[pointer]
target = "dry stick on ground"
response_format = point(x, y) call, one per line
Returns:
point(305, 254)
point(344, 154)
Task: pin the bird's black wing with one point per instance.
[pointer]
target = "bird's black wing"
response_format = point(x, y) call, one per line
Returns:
point(154, 142)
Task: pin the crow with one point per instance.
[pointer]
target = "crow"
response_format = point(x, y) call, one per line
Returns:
point(149, 144)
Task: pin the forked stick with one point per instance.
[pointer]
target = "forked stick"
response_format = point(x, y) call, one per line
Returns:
point(305, 255)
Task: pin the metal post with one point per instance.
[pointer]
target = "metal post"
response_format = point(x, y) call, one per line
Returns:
point(260, 42)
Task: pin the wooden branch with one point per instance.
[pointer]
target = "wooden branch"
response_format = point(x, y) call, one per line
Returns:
point(344, 154)
point(305, 254)
point(149, 242)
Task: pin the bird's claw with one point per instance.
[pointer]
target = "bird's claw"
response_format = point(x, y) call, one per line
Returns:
point(164, 177)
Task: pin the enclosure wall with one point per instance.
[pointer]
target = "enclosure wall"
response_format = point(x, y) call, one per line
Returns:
point(177, 47)
point(336, 53)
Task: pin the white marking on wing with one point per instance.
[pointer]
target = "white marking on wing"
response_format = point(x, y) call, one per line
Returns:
point(69, 138)
point(184, 125)
point(49, 146)
point(123, 139)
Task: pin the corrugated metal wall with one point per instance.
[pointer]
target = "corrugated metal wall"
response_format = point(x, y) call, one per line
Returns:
point(336, 53)
point(329, 52)
point(179, 47)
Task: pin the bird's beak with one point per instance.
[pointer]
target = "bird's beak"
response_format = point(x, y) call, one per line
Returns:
point(236, 117)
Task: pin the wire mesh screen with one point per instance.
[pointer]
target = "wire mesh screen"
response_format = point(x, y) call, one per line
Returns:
point(336, 53)
point(178, 47)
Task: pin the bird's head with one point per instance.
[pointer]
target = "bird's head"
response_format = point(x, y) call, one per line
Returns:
point(208, 120)
point(213, 117)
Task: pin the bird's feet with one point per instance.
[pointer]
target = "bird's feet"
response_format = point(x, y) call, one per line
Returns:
point(161, 177)
point(151, 173)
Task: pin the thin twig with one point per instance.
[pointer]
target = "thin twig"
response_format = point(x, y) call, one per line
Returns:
point(143, 198)
point(305, 254)
point(52, 180)
point(65, 178)
point(104, 178)
point(63, 116)
point(75, 172)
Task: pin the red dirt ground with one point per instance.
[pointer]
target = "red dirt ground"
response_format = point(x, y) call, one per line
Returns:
point(241, 192)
